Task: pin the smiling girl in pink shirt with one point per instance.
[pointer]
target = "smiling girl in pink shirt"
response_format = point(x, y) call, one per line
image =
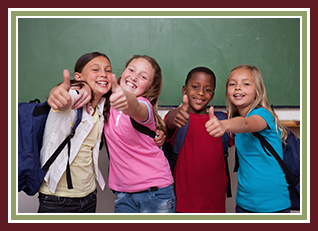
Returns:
point(139, 173)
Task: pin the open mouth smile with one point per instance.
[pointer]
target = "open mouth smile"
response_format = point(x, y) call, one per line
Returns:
point(198, 101)
point(130, 84)
point(102, 83)
point(238, 96)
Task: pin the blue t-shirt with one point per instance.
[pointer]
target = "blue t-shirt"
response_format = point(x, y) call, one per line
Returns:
point(262, 186)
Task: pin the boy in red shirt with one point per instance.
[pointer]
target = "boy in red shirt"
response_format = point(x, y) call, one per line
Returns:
point(199, 173)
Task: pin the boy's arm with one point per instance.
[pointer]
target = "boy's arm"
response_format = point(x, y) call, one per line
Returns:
point(178, 117)
point(126, 102)
point(239, 124)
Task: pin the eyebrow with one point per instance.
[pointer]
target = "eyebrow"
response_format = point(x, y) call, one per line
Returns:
point(211, 85)
point(140, 71)
point(97, 64)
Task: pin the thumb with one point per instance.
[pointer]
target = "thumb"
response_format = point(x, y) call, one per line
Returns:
point(114, 83)
point(67, 82)
point(211, 112)
point(185, 103)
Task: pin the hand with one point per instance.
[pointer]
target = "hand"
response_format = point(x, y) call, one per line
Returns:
point(160, 139)
point(59, 98)
point(84, 97)
point(214, 126)
point(181, 116)
point(118, 98)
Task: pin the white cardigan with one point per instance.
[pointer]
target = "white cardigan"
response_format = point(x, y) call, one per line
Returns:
point(57, 127)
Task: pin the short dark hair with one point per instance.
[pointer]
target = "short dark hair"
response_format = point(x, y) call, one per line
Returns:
point(200, 69)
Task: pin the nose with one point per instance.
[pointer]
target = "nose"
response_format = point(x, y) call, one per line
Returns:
point(103, 74)
point(238, 87)
point(200, 91)
point(133, 77)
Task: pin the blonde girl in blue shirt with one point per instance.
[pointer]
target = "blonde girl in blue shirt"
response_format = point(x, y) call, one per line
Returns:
point(262, 186)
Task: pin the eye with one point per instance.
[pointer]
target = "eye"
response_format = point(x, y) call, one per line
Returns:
point(231, 84)
point(207, 90)
point(195, 87)
point(144, 77)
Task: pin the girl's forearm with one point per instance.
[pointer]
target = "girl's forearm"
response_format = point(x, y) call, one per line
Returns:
point(235, 125)
point(240, 124)
point(135, 109)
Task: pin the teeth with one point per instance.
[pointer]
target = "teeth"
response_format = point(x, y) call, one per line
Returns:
point(131, 84)
point(102, 83)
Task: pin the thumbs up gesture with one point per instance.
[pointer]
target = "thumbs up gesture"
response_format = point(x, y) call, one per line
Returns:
point(179, 117)
point(118, 98)
point(59, 98)
point(214, 126)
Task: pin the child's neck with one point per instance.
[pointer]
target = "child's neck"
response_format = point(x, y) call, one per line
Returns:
point(201, 112)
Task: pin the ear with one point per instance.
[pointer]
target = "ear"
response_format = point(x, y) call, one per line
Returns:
point(77, 76)
point(184, 90)
point(212, 96)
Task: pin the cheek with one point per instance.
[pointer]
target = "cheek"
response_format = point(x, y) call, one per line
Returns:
point(229, 92)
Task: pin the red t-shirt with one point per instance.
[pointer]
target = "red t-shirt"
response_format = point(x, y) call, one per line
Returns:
point(200, 176)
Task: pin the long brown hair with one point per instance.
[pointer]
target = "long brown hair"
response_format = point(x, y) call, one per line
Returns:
point(153, 93)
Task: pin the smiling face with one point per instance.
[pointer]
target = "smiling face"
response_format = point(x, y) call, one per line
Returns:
point(137, 77)
point(97, 73)
point(241, 89)
point(200, 91)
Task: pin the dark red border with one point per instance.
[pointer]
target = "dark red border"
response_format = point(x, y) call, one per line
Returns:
point(157, 4)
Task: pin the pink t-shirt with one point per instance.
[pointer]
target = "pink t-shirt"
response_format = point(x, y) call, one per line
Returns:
point(136, 162)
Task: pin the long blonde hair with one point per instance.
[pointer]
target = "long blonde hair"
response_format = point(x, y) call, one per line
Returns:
point(153, 93)
point(260, 98)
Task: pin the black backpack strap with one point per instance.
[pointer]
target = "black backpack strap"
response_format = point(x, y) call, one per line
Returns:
point(67, 140)
point(237, 164)
point(267, 146)
point(143, 129)
point(228, 188)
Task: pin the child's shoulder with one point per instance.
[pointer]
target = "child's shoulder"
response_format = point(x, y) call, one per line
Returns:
point(144, 100)
point(260, 111)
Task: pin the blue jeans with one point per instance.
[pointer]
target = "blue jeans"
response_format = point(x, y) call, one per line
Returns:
point(161, 201)
point(55, 204)
point(239, 209)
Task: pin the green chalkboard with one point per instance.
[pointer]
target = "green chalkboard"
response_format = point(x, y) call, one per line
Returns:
point(46, 46)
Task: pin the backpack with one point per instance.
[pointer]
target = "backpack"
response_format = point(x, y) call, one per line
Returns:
point(172, 153)
point(31, 122)
point(290, 164)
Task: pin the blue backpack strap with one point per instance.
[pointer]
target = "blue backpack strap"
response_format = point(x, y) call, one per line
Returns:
point(180, 137)
point(178, 142)
point(225, 138)
point(225, 141)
